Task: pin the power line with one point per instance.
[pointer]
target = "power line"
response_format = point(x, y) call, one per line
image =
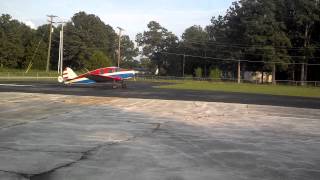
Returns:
point(250, 46)
point(238, 60)
point(259, 54)
point(242, 53)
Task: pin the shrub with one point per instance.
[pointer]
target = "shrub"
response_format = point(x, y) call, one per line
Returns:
point(198, 72)
point(215, 73)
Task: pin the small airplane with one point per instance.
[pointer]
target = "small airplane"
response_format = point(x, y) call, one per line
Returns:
point(101, 75)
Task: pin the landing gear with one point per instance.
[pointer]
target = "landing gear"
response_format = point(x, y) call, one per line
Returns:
point(116, 85)
point(123, 85)
point(60, 79)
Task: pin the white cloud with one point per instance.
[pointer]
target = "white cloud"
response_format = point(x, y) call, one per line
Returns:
point(30, 24)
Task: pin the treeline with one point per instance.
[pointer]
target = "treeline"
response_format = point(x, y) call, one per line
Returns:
point(88, 43)
point(265, 35)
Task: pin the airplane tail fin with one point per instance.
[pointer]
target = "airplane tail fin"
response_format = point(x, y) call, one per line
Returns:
point(68, 74)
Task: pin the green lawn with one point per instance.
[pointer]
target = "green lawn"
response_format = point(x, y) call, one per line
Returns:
point(246, 88)
point(5, 72)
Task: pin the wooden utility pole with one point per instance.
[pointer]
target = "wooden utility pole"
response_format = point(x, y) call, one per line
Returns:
point(274, 74)
point(239, 72)
point(50, 36)
point(302, 79)
point(183, 64)
point(119, 45)
point(60, 62)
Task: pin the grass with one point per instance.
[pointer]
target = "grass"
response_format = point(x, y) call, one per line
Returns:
point(283, 90)
point(5, 72)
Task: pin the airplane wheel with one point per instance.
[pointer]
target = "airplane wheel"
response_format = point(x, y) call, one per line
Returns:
point(60, 79)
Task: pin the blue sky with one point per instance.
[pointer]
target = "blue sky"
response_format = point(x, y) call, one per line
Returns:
point(132, 15)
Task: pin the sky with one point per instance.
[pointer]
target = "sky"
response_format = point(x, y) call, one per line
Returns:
point(131, 15)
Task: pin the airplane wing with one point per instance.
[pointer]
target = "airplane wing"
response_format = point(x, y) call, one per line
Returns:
point(101, 78)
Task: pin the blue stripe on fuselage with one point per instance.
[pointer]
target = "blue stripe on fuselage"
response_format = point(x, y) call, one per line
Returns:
point(87, 81)
point(124, 76)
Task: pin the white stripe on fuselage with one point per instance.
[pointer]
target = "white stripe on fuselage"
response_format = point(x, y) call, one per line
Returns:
point(76, 80)
point(118, 73)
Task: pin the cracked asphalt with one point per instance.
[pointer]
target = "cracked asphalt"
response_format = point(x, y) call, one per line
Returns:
point(57, 136)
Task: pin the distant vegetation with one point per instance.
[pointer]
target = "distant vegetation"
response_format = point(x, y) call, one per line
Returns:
point(263, 31)
point(88, 43)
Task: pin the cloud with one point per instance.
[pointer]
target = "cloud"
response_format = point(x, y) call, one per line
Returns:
point(30, 24)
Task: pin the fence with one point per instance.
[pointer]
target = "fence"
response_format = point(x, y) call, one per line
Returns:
point(231, 80)
point(28, 76)
point(40, 76)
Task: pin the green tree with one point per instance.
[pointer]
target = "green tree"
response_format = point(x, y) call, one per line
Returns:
point(155, 43)
point(83, 35)
point(14, 37)
point(97, 60)
point(128, 53)
point(302, 18)
point(194, 41)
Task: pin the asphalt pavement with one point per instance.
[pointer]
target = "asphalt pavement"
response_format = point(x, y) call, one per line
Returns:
point(149, 90)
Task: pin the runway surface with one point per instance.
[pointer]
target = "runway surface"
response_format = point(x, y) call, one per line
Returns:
point(66, 137)
point(147, 90)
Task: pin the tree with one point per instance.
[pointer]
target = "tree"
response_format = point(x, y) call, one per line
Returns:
point(14, 37)
point(195, 42)
point(155, 43)
point(303, 16)
point(128, 53)
point(97, 60)
point(255, 25)
point(83, 35)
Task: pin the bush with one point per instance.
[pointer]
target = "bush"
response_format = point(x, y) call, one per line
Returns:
point(198, 72)
point(215, 73)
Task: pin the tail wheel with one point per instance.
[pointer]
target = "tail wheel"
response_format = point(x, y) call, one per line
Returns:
point(60, 79)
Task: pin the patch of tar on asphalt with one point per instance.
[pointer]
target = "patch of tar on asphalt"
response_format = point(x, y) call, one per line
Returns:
point(107, 136)
point(89, 100)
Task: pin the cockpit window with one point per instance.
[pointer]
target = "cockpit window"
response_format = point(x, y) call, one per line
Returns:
point(101, 71)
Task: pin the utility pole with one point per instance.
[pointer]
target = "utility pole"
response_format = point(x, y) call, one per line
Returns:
point(60, 61)
point(274, 68)
point(119, 45)
point(239, 72)
point(183, 64)
point(50, 36)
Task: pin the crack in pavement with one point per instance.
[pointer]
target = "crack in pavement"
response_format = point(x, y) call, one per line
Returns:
point(13, 125)
point(84, 154)
point(24, 122)
point(26, 176)
point(38, 150)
